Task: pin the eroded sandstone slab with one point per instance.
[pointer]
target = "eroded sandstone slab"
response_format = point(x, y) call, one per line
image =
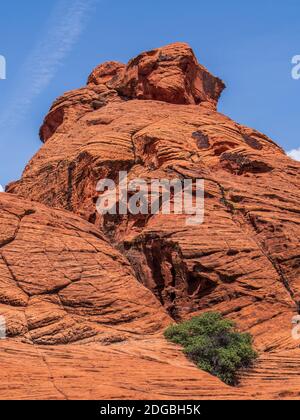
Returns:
point(62, 282)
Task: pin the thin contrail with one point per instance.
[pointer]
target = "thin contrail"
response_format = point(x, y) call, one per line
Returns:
point(64, 28)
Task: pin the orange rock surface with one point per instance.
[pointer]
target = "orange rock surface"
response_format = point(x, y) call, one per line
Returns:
point(87, 297)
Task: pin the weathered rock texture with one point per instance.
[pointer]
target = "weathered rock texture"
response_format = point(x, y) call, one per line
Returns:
point(62, 282)
point(68, 282)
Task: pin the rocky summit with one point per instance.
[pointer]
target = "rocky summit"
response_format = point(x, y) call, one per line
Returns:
point(86, 297)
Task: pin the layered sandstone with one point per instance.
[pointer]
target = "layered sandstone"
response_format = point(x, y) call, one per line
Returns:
point(129, 276)
point(62, 282)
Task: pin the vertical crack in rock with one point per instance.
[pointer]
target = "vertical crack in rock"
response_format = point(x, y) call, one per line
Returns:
point(274, 263)
point(158, 264)
point(71, 168)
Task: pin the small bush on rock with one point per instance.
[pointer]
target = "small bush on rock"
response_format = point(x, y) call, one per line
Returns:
point(214, 345)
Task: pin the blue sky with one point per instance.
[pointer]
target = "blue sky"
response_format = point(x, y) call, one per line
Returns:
point(52, 46)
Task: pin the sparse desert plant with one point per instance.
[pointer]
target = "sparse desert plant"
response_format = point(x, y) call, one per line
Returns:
point(214, 345)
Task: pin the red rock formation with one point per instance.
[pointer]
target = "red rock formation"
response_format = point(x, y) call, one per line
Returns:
point(62, 282)
point(170, 74)
point(156, 118)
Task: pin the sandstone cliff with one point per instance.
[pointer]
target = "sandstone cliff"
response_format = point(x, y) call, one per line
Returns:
point(87, 297)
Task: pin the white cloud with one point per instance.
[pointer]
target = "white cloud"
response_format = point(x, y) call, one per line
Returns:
point(63, 30)
point(1, 189)
point(294, 154)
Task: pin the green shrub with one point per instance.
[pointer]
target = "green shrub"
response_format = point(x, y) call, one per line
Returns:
point(214, 345)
